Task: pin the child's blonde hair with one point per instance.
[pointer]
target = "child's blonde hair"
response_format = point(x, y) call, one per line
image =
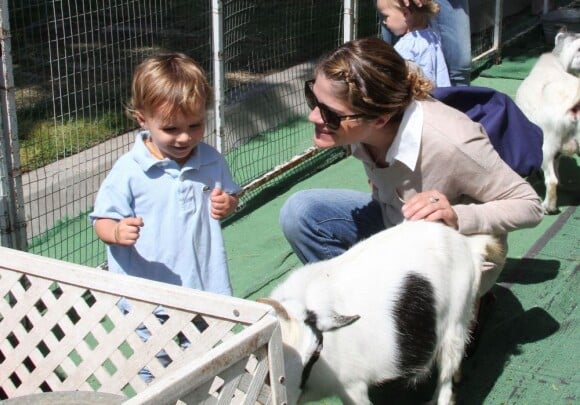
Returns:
point(422, 14)
point(169, 83)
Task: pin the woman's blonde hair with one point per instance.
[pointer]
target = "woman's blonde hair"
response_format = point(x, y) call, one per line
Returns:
point(169, 83)
point(372, 78)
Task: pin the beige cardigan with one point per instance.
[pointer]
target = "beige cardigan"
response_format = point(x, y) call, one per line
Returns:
point(457, 159)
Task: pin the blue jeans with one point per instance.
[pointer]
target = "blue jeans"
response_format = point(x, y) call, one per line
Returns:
point(323, 223)
point(320, 224)
point(452, 24)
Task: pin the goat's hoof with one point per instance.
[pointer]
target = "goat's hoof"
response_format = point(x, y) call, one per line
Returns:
point(457, 377)
point(550, 210)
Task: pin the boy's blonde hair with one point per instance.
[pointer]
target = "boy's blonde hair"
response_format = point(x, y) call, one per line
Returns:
point(169, 83)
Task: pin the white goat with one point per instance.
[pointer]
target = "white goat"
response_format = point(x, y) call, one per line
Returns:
point(392, 306)
point(550, 97)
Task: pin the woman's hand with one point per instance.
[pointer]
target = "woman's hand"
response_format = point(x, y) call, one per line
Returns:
point(222, 203)
point(430, 206)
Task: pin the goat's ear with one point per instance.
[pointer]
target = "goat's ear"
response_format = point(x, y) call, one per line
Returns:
point(279, 308)
point(335, 321)
point(559, 37)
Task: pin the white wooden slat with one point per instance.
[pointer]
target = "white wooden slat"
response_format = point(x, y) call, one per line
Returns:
point(137, 383)
point(44, 323)
point(60, 350)
point(8, 278)
point(25, 303)
point(40, 374)
point(264, 394)
point(69, 368)
point(194, 373)
point(232, 377)
point(219, 330)
point(162, 337)
point(214, 350)
point(276, 366)
point(186, 299)
point(259, 376)
point(200, 396)
point(109, 346)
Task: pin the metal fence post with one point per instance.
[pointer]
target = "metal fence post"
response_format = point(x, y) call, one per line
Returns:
point(218, 70)
point(12, 221)
point(497, 32)
point(348, 20)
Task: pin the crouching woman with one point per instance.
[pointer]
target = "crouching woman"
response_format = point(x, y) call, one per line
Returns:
point(423, 159)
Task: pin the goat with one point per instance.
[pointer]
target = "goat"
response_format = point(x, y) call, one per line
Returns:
point(392, 306)
point(550, 97)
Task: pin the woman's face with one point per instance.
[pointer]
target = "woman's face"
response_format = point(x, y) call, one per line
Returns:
point(350, 130)
point(393, 17)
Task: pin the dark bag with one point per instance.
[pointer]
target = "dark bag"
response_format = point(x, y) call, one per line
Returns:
point(517, 140)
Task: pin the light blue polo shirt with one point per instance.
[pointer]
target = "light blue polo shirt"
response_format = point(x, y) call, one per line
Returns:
point(179, 243)
point(423, 47)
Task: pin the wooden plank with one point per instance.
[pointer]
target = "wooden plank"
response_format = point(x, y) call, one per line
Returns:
point(25, 301)
point(67, 318)
point(231, 377)
point(185, 299)
point(258, 377)
point(276, 366)
point(194, 373)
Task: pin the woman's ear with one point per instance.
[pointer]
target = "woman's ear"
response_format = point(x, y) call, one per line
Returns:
point(381, 121)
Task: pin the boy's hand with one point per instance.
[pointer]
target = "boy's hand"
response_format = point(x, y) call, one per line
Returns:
point(222, 203)
point(126, 232)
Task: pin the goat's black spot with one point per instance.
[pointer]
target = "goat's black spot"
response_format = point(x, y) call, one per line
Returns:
point(311, 321)
point(414, 314)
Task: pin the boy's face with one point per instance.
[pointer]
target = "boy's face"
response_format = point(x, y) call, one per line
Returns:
point(175, 136)
point(394, 17)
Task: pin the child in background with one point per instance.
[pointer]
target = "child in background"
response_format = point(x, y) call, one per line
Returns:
point(418, 43)
point(158, 209)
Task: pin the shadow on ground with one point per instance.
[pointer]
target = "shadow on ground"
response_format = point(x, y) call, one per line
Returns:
point(529, 271)
point(507, 329)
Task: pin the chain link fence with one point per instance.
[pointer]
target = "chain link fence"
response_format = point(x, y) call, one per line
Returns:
point(66, 71)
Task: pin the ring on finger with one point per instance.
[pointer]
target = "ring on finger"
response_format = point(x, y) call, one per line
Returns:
point(433, 199)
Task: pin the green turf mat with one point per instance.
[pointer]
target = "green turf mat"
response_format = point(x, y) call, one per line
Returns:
point(258, 253)
point(517, 60)
point(512, 67)
point(529, 350)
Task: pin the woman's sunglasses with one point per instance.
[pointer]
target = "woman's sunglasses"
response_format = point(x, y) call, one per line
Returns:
point(330, 118)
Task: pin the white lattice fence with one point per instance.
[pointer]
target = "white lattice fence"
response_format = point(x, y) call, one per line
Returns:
point(62, 329)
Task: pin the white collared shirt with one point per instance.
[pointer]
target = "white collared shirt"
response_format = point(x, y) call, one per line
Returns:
point(407, 143)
